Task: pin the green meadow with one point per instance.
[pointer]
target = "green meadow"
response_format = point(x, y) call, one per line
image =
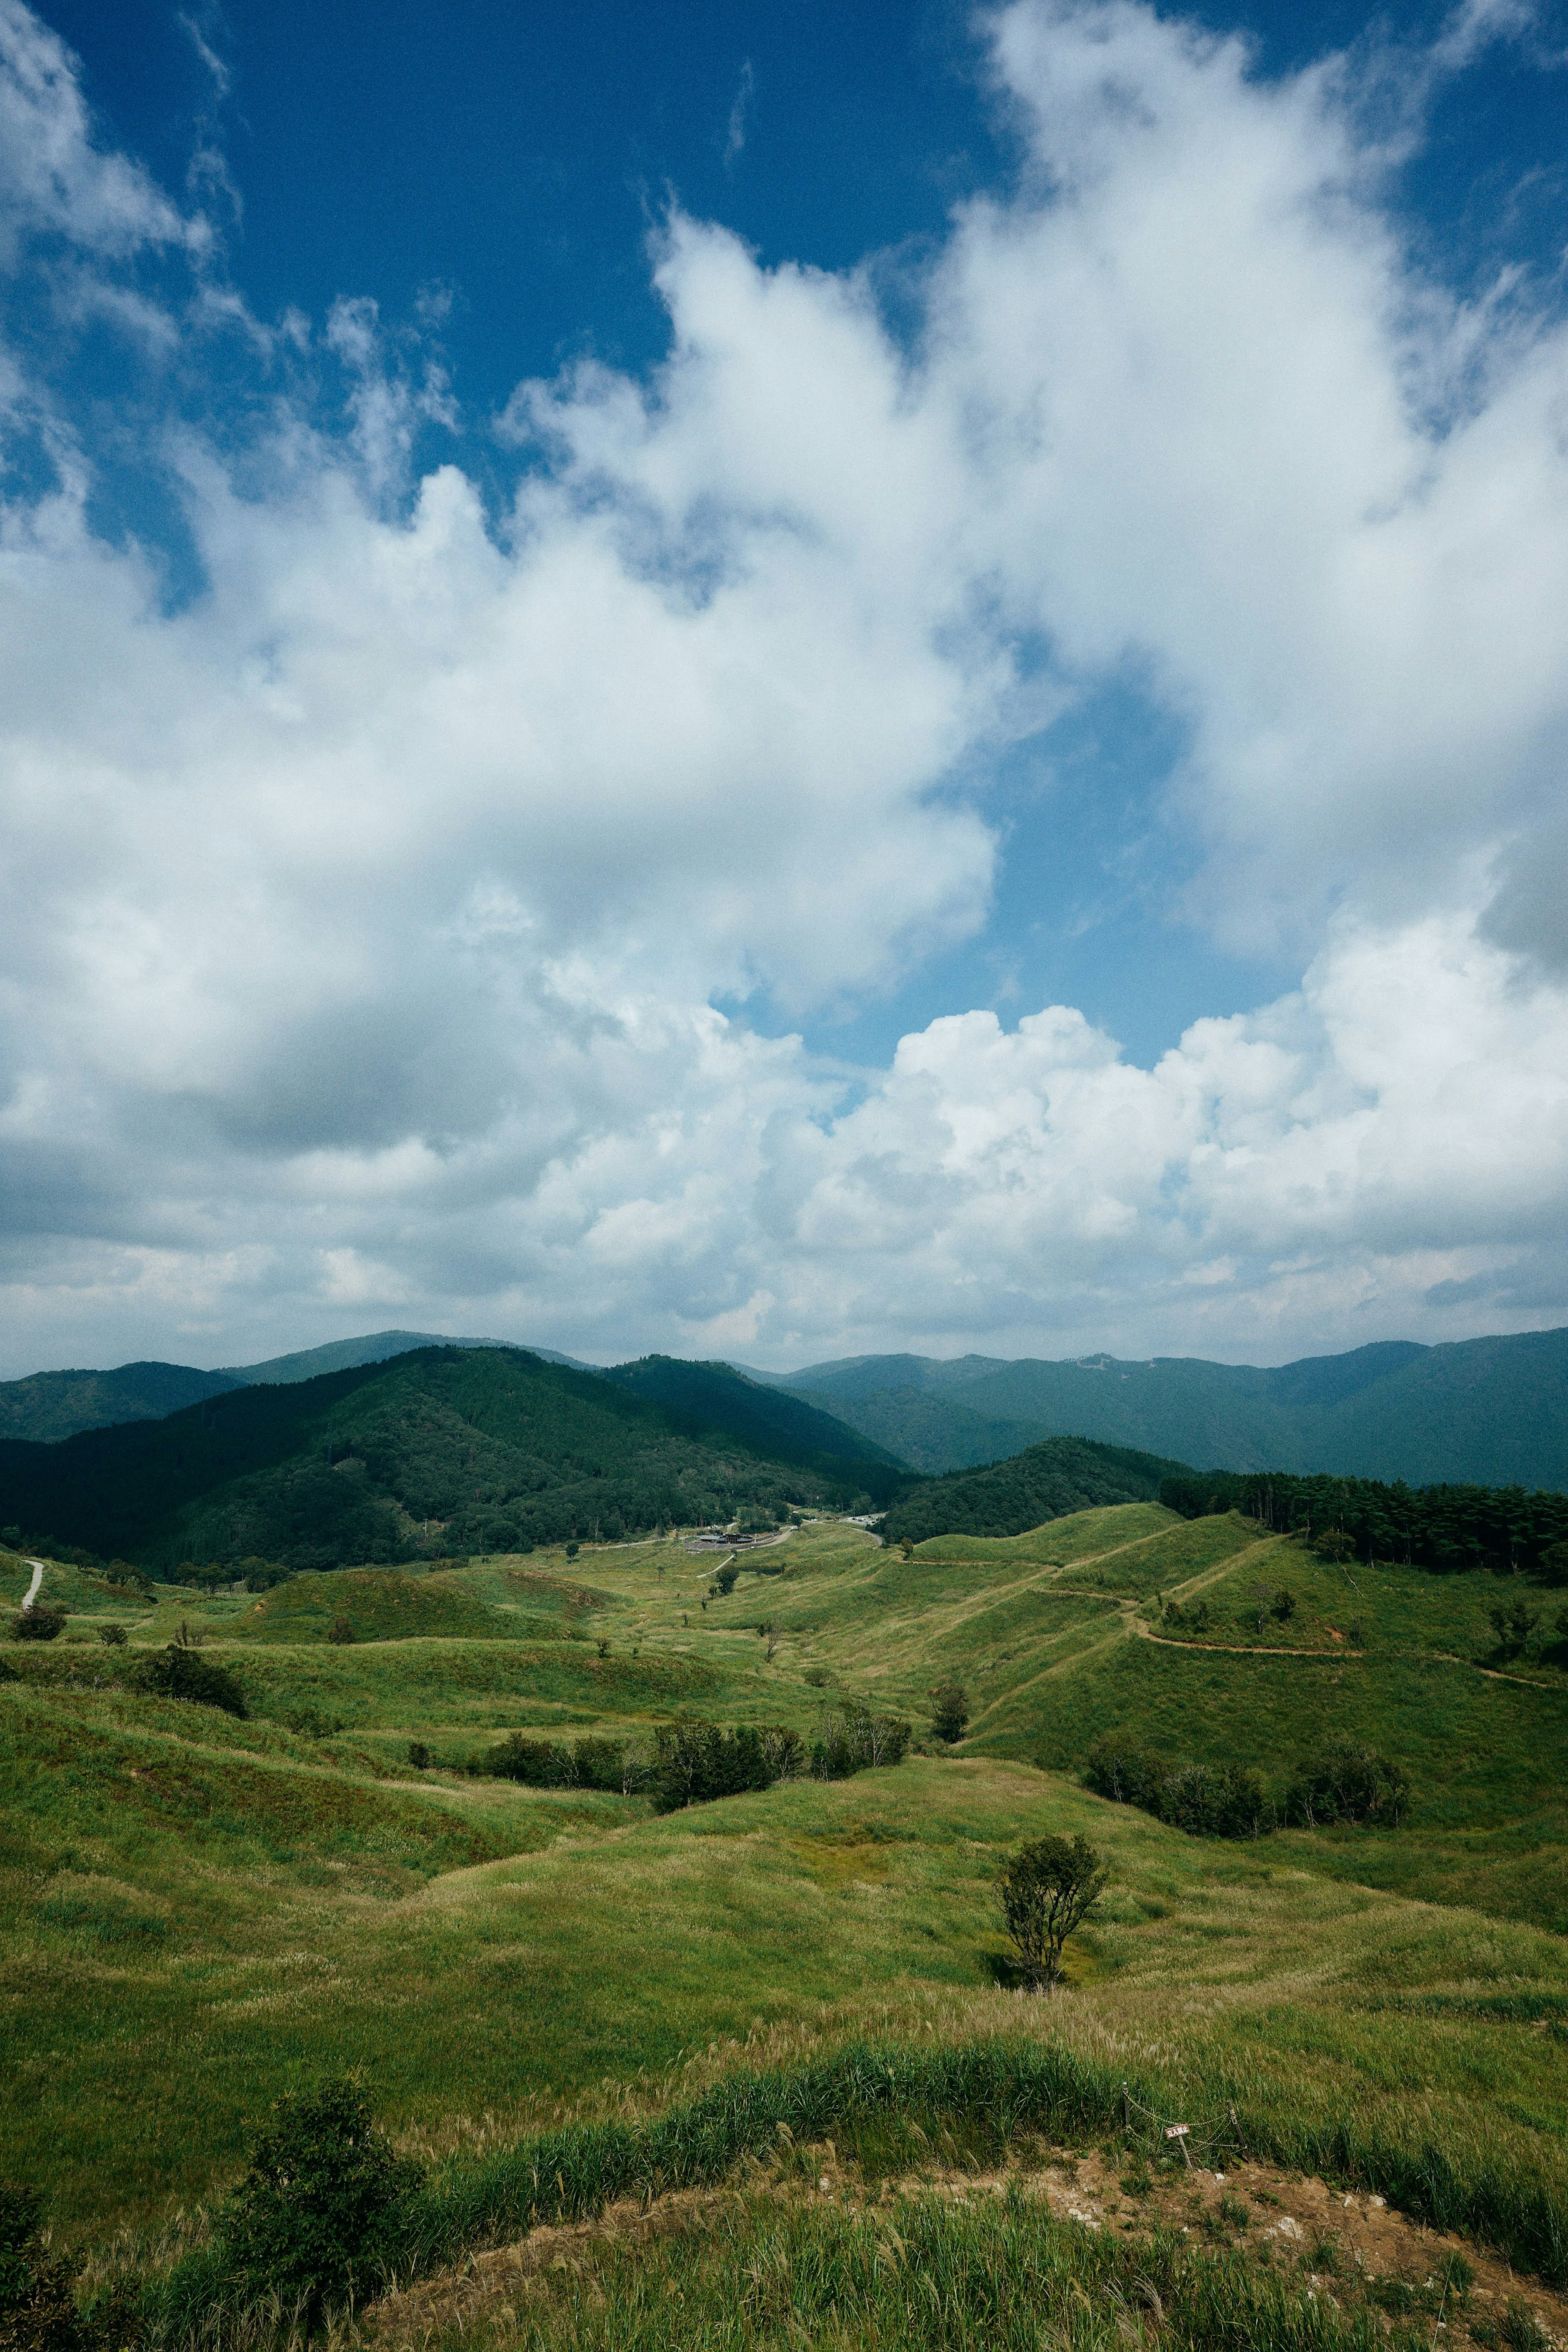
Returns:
point(203, 1912)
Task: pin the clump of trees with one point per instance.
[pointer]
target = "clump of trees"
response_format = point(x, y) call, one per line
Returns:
point(852, 1738)
point(1509, 1529)
point(1344, 1782)
point(591, 1763)
point(1045, 1891)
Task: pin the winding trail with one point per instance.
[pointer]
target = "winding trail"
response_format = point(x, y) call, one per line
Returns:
point(32, 1592)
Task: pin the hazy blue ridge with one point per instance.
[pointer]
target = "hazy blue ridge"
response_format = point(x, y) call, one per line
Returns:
point(47, 1406)
point(1493, 1411)
point(344, 1355)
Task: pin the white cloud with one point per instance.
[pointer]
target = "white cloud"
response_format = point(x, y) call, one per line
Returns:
point(361, 920)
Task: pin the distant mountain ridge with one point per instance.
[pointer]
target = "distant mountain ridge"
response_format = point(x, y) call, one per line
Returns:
point(46, 1407)
point(1493, 1411)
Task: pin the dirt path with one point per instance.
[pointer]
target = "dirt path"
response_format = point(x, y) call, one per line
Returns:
point(32, 1592)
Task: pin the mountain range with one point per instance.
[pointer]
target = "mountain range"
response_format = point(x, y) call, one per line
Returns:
point(1493, 1411)
point(1490, 1410)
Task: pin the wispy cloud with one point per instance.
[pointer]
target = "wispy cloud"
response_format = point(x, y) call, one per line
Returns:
point(735, 137)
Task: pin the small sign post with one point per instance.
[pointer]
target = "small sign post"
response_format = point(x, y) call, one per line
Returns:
point(1178, 2132)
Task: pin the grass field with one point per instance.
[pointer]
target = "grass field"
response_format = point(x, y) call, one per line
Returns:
point(201, 1912)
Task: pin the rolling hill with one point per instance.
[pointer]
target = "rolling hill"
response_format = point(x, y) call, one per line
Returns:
point(1046, 1482)
point(1490, 1411)
point(441, 1450)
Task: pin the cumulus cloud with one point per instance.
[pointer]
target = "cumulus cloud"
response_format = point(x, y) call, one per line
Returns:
point(364, 916)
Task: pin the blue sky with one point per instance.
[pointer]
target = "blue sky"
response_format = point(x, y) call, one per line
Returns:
point(776, 680)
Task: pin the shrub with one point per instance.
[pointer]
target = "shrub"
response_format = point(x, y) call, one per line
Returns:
point(1348, 1783)
point(419, 1756)
point(1121, 1767)
point(949, 1711)
point(1046, 1891)
point(1554, 1564)
point(180, 1673)
point(1204, 1800)
point(339, 1630)
point(696, 1762)
point(42, 1622)
point(1283, 1604)
point(113, 1636)
point(37, 2312)
point(315, 2216)
point(724, 1578)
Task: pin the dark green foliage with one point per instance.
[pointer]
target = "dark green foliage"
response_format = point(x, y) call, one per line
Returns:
point(317, 2211)
point(182, 1673)
point(340, 1630)
point(1283, 1605)
point(500, 1449)
point(1046, 1891)
point(1194, 1618)
point(949, 1711)
point(1448, 1529)
point(853, 1740)
point(724, 1578)
point(1045, 1482)
point(1204, 1800)
point(696, 1762)
point(1514, 1625)
point(112, 1635)
point(591, 1763)
point(37, 2310)
point(42, 1622)
point(1348, 1782)
point(48, 1406)
point(1553, 1565)
point(419, 1756)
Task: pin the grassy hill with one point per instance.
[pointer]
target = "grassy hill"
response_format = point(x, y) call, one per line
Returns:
point(438, 1452)
point(203, 1912)
point(1493, 1411)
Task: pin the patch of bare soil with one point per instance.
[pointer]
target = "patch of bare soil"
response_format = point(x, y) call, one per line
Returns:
point(1355, 2251)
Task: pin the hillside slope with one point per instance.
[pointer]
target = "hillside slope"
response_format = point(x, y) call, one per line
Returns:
point(442, 1451)
point(1490, 1411)
point(713, 1396)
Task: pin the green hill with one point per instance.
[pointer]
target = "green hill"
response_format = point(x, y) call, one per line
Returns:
point(714, 1397)
point(440, 1451)
point(1044, 1482)
point(1492, 1411)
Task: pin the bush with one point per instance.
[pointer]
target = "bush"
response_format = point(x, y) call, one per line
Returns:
point(112, 1636)
point(315, 2217)
point(724, 1578)
point(37, 2310)
point(419, 1756)
point(696, 1762)
point(42, 1622)
point(339, 1630)
point(949, 1711)
point(1348, 1783)
point(593, 1763)
point(180, 1673)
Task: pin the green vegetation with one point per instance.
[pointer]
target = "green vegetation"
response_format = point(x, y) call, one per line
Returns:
point(1045, 1482)
point(1047, 1890)
point(424, 1859)
point(440, 1451)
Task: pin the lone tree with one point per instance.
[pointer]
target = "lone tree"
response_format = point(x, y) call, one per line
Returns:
point(1047, 1890)
point(42, 1622)
point(949, 1711)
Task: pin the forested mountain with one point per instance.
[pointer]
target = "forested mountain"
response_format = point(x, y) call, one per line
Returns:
point(715, 1397)
point(1493, 1411)
point(437, 1452)
point(1045, 1482)
point(376, 1347)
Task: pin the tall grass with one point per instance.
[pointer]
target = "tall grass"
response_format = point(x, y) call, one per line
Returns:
point(998, 2086)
